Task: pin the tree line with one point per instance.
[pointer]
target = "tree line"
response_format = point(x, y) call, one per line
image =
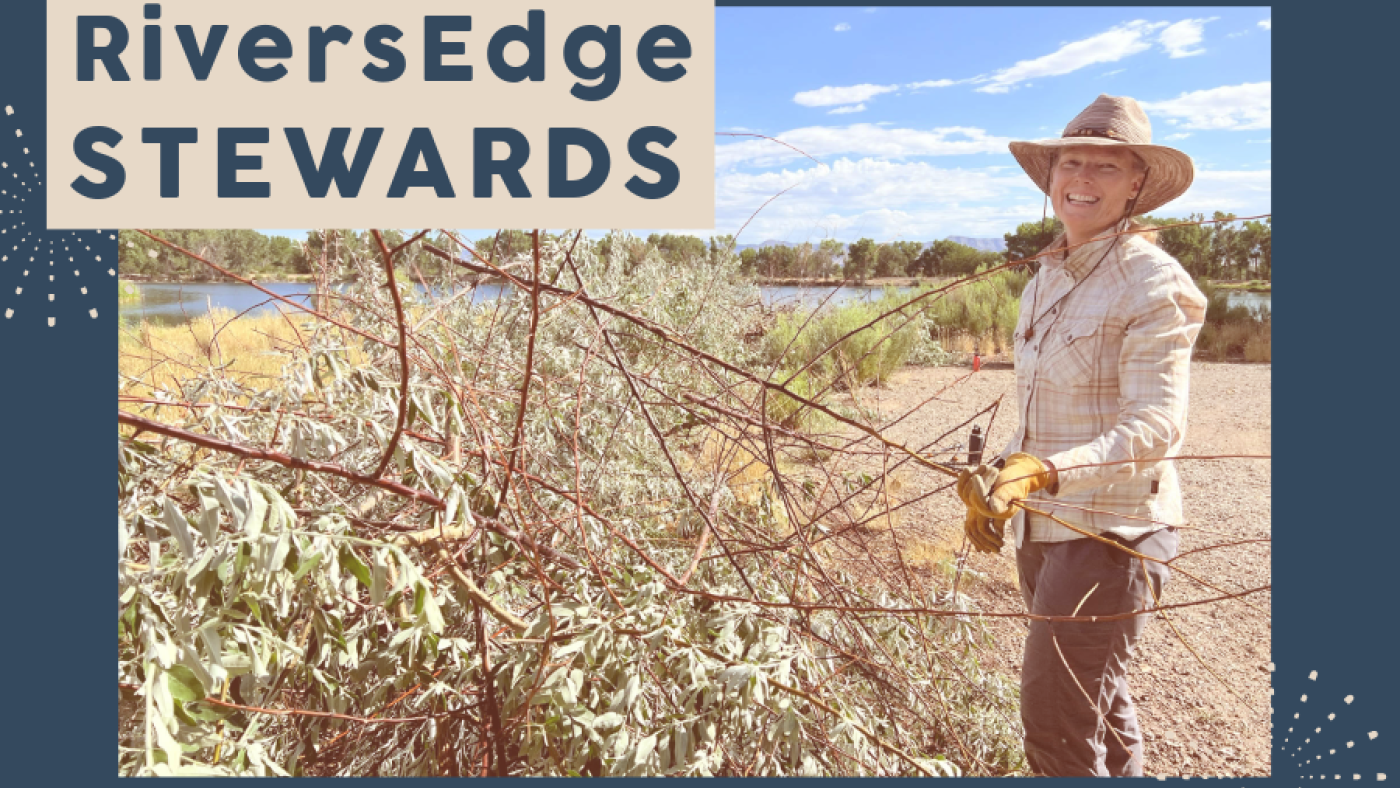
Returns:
point(249, 253)
point(865, 259)
point(1225, 250)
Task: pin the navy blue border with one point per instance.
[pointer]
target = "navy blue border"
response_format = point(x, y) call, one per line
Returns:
point(1335, 552)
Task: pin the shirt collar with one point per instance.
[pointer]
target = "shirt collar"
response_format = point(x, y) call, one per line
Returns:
point(1080, 260)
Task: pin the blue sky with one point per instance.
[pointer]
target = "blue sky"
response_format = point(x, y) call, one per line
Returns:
point(909, 111)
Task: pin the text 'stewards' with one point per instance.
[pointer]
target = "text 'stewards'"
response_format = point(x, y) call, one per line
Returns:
point(274, 114)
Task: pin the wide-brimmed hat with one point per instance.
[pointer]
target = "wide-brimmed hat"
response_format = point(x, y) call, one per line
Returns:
point(1114, 121)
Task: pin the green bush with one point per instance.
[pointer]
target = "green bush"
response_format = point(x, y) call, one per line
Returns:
point(1233, 332)
point(801, 341)
point(128, 292)
point(985, 309)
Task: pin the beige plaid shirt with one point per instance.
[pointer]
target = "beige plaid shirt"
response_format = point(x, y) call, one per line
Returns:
point(1103, 378)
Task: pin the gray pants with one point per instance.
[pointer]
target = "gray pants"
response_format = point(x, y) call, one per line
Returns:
point(1065, 730)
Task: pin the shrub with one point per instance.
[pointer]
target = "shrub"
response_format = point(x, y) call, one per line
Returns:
point(985, 310)
point(300, 590)
point(1232, 332)
point(128, 292)
point(815, 345)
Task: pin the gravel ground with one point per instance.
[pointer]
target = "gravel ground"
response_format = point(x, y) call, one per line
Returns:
point(1208, 719)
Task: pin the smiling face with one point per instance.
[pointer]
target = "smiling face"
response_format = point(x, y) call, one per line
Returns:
point(1090, 186)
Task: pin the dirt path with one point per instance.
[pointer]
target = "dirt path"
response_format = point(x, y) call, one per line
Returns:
point(1196, 724)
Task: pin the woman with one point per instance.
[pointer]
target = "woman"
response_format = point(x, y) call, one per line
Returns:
point(1103, 354)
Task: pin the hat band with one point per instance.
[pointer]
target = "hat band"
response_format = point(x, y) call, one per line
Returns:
point(1105, 133)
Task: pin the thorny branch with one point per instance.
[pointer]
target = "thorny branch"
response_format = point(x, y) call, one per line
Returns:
point(758, 504)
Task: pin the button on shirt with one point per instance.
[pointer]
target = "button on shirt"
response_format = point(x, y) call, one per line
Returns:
point(1102, 384)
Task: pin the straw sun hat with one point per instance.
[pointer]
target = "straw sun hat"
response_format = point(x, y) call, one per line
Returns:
point(1114, 121)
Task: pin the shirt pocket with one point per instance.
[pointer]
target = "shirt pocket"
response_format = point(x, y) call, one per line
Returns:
point(1072, 353)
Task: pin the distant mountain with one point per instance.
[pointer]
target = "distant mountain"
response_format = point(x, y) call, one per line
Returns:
point(742, 247)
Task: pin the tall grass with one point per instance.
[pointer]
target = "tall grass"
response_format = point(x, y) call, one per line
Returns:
point(872, 355)
point(248, 351)
point(1237, 332)
point(128, 292)
point(983, 312)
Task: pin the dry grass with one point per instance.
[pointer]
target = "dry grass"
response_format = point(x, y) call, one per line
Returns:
point(746, 475)
point(1250, 341)
point(247, 350)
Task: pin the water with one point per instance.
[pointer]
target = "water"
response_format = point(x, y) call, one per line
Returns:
point(1251, 300)
point(813, 296)
point(180, 303)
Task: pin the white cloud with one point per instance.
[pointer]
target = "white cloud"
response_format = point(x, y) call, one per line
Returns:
point(1267, 24)
point(1179, 38)
point(828, 96)
point(842, 27)
point(848, 109)
point(741, 130)
point(1181, 136)
point(861, 139)
point(1234, 107)
point(931, 83)
point(1260, 142)
point(849, 199)
point(1242, 192)
point(1114, 71)
point(854, 198)
point(1107, 47)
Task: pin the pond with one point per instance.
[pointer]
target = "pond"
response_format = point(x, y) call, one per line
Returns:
point(183, 302)
point(180, 303)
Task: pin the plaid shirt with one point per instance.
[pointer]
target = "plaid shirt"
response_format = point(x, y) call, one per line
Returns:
point(1103, 378)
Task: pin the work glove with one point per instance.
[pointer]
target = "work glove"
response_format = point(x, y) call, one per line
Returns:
point(1019, 478)
point(984, 532)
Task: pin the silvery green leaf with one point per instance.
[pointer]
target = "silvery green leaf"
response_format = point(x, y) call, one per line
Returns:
point(619, 741)
point(402, 635)
point(682, 739)
point(159, 687)
point(208, 518)
point(735, 677)
point(237, 664)
point(452, 502)
point(168, 745)
point(608, 721)
point(644, 750)
point(377, 577)
point(279, 552)
point(184, 685)
point(231, 499)
point(180, 528)
point(308, 563)
point(785, 671)
point(432, 615)
point(200, 564)
point(572, 647)
point(257, 511)
point(634, 687)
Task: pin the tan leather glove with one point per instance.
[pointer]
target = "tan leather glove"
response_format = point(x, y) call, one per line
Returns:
point(984, 532)
point(1021, 476)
